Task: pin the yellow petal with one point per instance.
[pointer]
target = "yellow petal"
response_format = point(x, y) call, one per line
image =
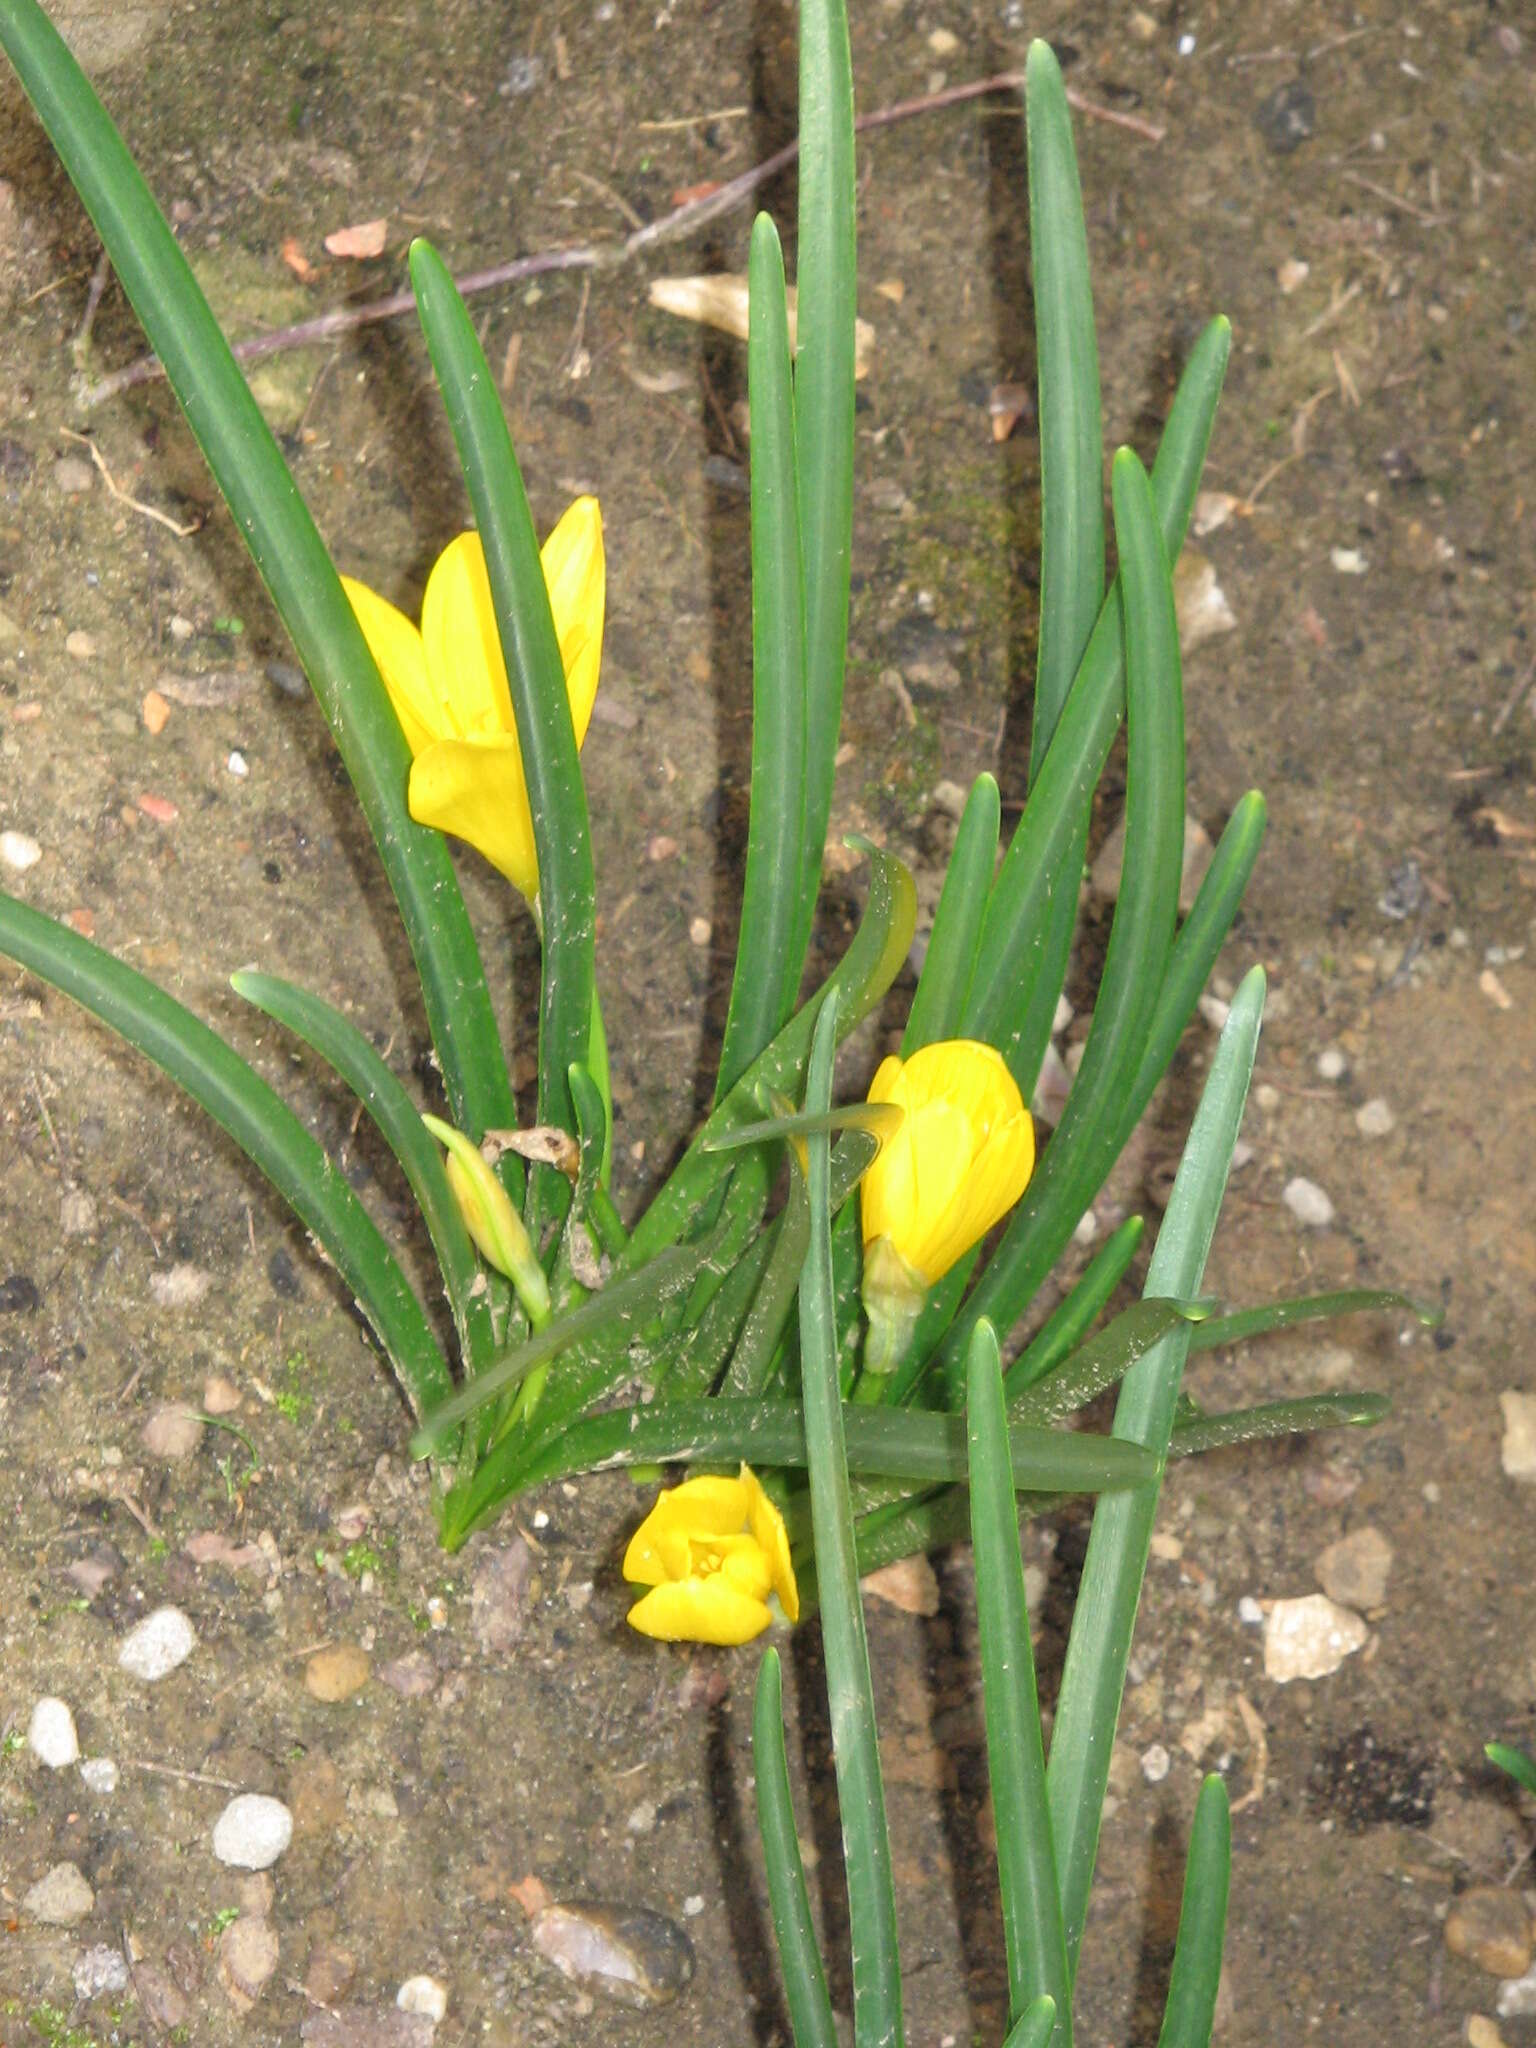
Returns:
point(397, 650)
point(575, 573)
point(699, 1611)
point(767, 1525)
point(475, 789)
point(465, 670)
point(745, 1566)
point(705, 1505)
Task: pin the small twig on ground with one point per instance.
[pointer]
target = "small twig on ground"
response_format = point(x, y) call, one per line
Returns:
point(683, 220)
point(136, 504)
point(1513, 701)
point(142, 1763)
point(693, 121)
point(98, 285)
point(1335, 307)
point(1390, 198)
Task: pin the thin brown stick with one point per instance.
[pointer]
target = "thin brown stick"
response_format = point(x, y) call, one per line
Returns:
point(588, 256)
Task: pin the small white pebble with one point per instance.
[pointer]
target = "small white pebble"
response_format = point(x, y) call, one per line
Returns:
point(1348, 561)
point(18, 851)
point(1215, 1012)
point(1087, 1228)
point(1186, 45)
point(100, 1775)
point(1242, 1154)
point(423, 1995)
point(161, 1641)
point(237, 764)
point(51, 1734)
point(700, 930)
point(252, 1831)
point(1331, 1063)
point(1155, 1764)
point(642, 1818)
point(1309, 1638)
point(180, 628)
point(1267, 1096)
point(79, 645)
point(693, 1905)
point(1429, 1492)
point(1063, 1017)
point(1374, 1119)
point(1307, 1203)
point(96, 1971)
point(1249, 1612)
point(541, 1519)
point(943, 42)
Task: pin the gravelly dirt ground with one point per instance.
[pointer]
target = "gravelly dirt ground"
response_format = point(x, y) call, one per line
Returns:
point(1381, 590)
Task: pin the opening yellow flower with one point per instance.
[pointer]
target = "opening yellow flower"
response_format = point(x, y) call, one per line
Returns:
point(711, 1551)
point(962, 1158)
point(448, 684)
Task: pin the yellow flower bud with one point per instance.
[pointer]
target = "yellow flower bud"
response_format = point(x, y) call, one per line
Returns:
point(959, 1162)
point(491, 1220)
point(711, 1551)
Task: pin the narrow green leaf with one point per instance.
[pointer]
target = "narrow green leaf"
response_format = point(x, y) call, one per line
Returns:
point(1238, 1325)
point(752, 1359)
point(613, 1315)
point(880, 1120)
point(1198, 1432)
point(1038, 863)
point(275, 524)
point(1067, 360)
point(826, 268)
point(1093, 1676)
point(805, 1981)
point(1515, 1762)
point(767, 974)
point(951, 957)
point(860, 978)
point(1087, 1371)
point(1190, 2014)
point(920, 1446)
point(696, 1355)
point(258, 1120)
point(1088, 1137)
point(1033, 2030)
point(1026, 1861)
point(1201, 937)
point(1072, 1318)
point(399, 1123)
point(541, 705)
point(850, 1694)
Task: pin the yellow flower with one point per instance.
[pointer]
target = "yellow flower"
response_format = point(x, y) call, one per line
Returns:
point(448, 684)
point(491, 1220)
point(962, 1158)
point(711, 1551)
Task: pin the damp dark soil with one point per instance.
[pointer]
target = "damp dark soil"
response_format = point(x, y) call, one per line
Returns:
point(1355, 189)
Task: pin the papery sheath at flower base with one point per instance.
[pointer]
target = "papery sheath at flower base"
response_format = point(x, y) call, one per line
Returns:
point(711, 1551)
point(447, 682)
point(957, 1165)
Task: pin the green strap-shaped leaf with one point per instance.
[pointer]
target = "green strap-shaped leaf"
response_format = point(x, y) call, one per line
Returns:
point(1237, 1325)
point(860, 978)
point(850, 1694)
point(805, 1980)
point(826, 270)
point(541, 704)
point(1513, 1761)
point(343, 1046)
point(1197, 1432)
point(950, 961)
point(913, 1445)
point(1026, 1861)
point(1086, 1372)
point(1039, 856)
point(1072, 1318)
point(1034, 2027)
point(275, 525)
point(1093, 1677)
point(1195, 1979)
point(1088, 1137)
point(1067, 368)
point(767, 974)
point(258, 1120)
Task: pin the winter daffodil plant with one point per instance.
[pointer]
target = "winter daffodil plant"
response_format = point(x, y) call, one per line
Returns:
point(574, 1328)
